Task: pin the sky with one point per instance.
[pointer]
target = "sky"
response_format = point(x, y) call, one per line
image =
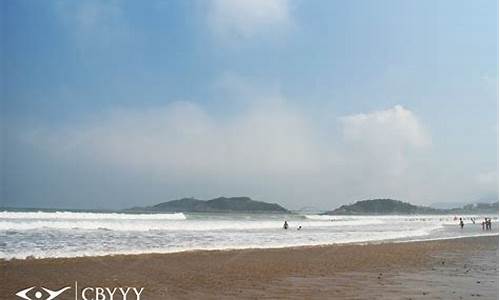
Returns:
point(113, 104)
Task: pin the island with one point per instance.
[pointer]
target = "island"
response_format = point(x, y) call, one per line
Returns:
point(217, 205)
point(397, 207)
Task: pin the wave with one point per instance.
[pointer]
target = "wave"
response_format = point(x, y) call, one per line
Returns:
point(22, 221)
point(66, 215)
point(344, 238)
point(177, 222)
point(22, 235)
point(171, 225)
point(319, 217)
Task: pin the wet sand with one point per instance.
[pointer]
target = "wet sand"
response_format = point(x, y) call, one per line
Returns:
point(464, 268)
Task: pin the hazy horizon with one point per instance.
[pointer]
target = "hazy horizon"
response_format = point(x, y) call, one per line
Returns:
point(110, 105)
point(437, 205)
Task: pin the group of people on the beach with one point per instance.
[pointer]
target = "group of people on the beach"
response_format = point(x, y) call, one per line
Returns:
point(486, 224)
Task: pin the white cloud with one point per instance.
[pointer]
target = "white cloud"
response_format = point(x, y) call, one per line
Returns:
point(247, 18)
point(382, 152)
point(388, 138)
point(268, 150)
point(182, 139)
point(395, 127)
point(269, 144)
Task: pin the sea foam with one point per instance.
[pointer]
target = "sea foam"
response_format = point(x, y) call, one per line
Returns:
point(69, 234)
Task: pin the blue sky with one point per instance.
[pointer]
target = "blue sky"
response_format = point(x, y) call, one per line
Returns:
point(112, 104)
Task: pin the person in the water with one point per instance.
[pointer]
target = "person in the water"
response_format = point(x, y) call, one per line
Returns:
point(461, 223)
point(285, 226)
point(300, 227)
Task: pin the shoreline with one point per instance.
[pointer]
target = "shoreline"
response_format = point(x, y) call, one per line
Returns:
point(362, 243)
point(343, 271)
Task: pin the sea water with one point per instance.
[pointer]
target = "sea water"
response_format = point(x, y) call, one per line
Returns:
point(71, 234)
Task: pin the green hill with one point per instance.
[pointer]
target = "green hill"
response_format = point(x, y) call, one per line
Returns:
point(383, 207)
point(221, 204)
point(393, 207)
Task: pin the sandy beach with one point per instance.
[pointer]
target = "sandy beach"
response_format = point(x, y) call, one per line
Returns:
point(449, 269)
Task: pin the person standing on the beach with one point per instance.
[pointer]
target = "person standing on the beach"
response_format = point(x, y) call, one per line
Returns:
point(461, 223)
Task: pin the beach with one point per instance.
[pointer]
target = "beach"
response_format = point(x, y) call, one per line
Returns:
point(461, 268)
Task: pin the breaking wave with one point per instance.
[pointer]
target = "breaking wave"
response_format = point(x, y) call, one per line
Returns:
point(67, 215)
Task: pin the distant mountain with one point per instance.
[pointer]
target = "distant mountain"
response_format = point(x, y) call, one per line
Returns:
point(390, 206)
point(382, 207)
point(221, 204)
point(477, 208)
point(488, 202)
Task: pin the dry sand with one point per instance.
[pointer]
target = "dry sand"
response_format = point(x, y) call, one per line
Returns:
point(464, 268)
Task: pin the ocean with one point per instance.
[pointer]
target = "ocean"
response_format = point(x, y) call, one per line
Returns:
point(39, 234)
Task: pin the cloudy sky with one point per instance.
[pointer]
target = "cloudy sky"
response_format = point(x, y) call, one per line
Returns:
point(112, 104)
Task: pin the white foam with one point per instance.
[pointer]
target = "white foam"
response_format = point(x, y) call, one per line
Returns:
point(279, 242)
point(19, 221)
point(167, 225)
point(70, 234)
point(66, 215)
point(320, 217)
